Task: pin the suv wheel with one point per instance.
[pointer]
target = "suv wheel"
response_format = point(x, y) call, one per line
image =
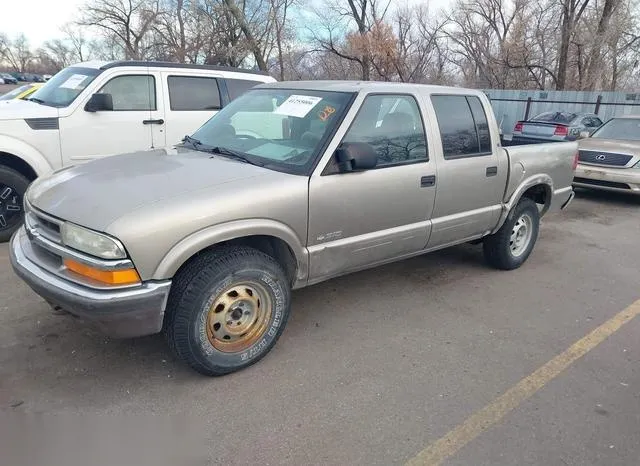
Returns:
point(512, 244)
point(227, 309)
point(12, 188)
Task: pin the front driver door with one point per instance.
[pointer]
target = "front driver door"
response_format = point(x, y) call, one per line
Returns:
point(127, 128)
point(359, 219)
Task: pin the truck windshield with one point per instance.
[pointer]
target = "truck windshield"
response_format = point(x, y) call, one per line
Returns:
point(65, 86)
point(281, 129)
point(620, 128)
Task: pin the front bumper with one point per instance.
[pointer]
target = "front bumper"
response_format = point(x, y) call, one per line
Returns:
point(122, 313)
point(626, 180)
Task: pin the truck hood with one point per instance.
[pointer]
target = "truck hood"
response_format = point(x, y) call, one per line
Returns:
point(617, 146)
point(97, 193)
point(16, 109)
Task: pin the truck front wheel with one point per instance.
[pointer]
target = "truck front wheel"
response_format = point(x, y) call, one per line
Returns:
point(512, 244)
point(227, 309)
point(13, 185)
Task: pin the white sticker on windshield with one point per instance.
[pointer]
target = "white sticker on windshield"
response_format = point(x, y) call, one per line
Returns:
point(74, 81)
point(298, 105)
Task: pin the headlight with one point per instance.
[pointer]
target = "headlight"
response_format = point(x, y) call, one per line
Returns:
point(93, 243)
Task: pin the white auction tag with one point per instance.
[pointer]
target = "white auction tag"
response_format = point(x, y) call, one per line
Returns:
point(74, 81)
point(298, 105)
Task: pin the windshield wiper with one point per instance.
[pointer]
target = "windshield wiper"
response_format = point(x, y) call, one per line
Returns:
point(36, 100)
point(193, 141)
point(226, 152)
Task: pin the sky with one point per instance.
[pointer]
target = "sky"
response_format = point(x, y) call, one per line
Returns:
point(42, 19)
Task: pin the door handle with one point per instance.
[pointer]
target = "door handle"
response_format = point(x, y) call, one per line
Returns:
point(427, 181)
point(159, 121)
point(492, 171)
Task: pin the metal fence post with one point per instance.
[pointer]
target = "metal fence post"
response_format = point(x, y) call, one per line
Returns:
point(526, 112)
point(598, 102)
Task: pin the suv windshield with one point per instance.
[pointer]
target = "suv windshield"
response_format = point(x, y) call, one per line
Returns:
point(282, 129)
point(620, 128)
point(65, 86)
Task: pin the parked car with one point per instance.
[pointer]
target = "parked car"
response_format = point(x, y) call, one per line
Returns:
point(95, 109)
point(1, 80)
point(46, 77)
point(8, 79)
point(610, 158)
point(291, 184)
point(23, 92)
point(19, 76)
point(555, 126)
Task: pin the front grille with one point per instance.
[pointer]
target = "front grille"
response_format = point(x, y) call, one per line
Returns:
point(604, 158)
point(603, 183)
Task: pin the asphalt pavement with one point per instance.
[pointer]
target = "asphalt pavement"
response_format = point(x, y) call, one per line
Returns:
point(373, 368)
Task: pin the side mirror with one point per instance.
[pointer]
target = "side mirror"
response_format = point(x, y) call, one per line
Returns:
point(356, 156)
point(585, 134)
point(99, 102)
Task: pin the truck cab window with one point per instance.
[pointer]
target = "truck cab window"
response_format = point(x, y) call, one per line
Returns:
point(392, 124)
point(464, 130)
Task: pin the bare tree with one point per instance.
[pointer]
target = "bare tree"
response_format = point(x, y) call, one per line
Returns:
point(16, 53)
point(129, 22)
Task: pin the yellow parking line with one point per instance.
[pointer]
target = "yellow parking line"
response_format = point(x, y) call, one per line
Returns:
point(482, 420)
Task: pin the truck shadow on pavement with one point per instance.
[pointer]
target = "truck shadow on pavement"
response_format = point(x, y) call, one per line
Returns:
point(55, 351)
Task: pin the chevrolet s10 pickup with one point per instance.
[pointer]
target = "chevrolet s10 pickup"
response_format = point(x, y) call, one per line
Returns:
point(289, 185)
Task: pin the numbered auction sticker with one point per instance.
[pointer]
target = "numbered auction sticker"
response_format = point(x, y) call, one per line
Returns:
point(74, 81)
point(298, 105)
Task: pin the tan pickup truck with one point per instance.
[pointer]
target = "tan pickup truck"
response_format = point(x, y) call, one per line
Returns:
point(290, 185)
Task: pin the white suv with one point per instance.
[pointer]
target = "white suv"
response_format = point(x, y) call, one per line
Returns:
point(96, 109)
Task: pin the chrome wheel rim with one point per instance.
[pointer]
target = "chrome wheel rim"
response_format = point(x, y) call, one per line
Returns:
point(10, 206)
point(521, 235)
point(239, 317)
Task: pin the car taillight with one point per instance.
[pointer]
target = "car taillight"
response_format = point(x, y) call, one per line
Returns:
point(561, 131)
point(518, 127)
point(576, 157)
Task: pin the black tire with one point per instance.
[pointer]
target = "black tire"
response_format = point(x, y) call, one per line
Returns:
point(13, 185)
point(206, 281)
point(498, 250)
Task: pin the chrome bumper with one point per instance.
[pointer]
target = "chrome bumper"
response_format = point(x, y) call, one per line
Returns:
point(122, 313)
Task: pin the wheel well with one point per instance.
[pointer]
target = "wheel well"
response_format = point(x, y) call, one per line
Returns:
point(270, 245)
point(538, 194)
point(17, 164)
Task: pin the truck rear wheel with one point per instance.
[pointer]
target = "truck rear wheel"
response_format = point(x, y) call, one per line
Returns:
point(13, 185)
point(227, 309)
point(512, 244)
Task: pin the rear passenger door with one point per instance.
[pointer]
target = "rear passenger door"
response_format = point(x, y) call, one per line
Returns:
point(190, 101)
point(471, 177)
point(362, 218)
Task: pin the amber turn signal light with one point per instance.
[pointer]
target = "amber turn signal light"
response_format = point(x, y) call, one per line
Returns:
point(109, 277)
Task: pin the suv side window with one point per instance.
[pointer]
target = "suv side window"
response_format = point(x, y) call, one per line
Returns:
point(392, 124)
point(193, 93)
point(131, 92)
point(463, 124)
point(237, 87)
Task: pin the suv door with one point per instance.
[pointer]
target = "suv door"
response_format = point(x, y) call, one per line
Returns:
point(127, 128)
point(191, 101)
point(471, 176)
point(359, 219)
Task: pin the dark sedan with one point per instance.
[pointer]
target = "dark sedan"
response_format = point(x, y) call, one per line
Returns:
point(555, 126)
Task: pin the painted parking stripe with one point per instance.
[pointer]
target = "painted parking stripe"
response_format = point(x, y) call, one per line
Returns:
point(491, 414)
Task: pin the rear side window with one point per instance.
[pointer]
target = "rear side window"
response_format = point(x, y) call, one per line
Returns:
point(464, 129)
point(193, 93)
point(237, 87)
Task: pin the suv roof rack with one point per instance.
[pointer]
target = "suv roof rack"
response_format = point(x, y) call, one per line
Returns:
point(164, 64)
